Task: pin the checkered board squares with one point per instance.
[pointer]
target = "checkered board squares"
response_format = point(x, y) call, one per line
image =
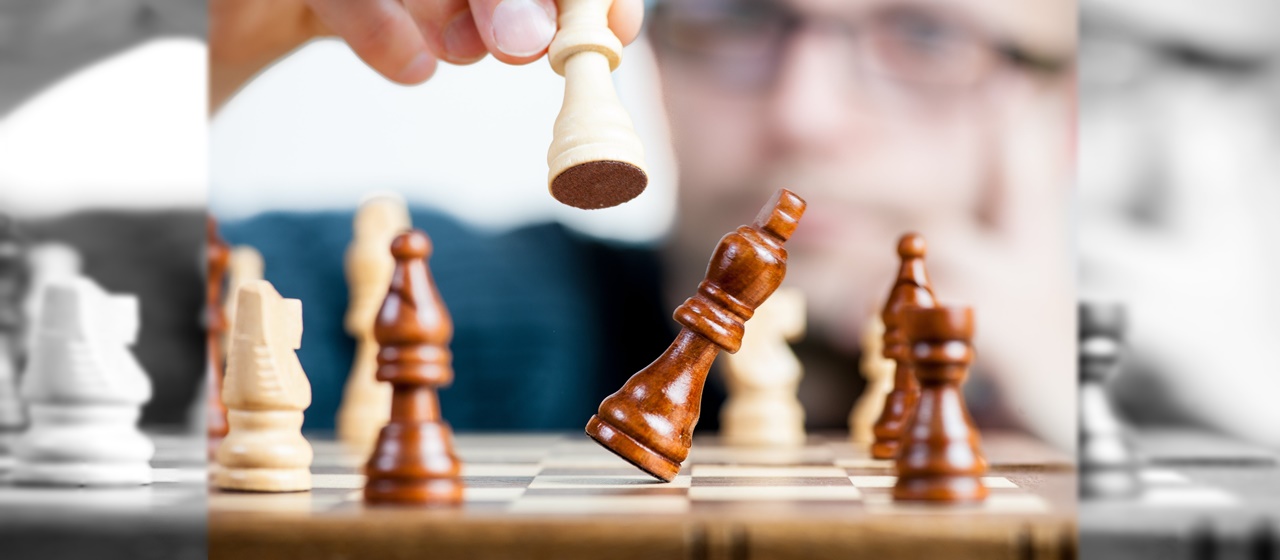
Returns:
point(1167, 488)
point(571, 475)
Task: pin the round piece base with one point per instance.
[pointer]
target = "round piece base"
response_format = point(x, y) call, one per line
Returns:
point(422, 492)
point(949, 489)
point(262, 480)
point(599, 184)
point(628, 448)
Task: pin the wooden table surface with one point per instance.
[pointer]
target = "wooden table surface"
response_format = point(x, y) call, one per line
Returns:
point(560, 496)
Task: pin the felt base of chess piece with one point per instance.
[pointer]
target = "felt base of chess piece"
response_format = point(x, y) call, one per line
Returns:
point(83, 445)
point(940, 459)
point(413, 465)
point(264, 451)
point(599, 184)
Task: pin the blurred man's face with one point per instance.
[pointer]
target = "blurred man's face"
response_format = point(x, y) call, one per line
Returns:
point(1180, 131)
point(877, 112)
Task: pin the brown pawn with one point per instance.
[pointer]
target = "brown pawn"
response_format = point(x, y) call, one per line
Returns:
point(650, 421)
point(911, 288)
point(217, 254)
point(940, 460)
point(413, 461)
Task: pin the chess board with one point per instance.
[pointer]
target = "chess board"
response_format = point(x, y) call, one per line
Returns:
point(164, 520)
point(1205, 496)
point(563, 496)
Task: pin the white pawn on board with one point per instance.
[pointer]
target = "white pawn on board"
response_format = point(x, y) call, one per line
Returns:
point(878, 373)
point(763, 376)
point(265, 392)
point(366, 402)
point(84, 391)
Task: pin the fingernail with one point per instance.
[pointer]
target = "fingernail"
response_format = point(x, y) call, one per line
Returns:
point(522, 27)
point(461, 39)
point(418, 69)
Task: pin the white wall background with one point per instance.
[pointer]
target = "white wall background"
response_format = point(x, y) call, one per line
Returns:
point(320, 129)
point(127, 132)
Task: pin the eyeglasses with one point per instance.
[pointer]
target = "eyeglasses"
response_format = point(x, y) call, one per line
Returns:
point(743, 44)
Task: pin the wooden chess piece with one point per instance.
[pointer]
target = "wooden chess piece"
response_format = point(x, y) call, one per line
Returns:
point(265, 391)
point(940, 459)
point(15, 283)
point(911, 288)
point(244, 265)
point(366, 402)
point(596, 160)
point(1108, 464)
point(85, 391)
point(215, 323)
point(650, 421)
point(877, 371)
point(413, 461)
point(763, 376)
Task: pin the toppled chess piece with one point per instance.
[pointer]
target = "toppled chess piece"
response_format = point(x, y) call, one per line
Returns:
point(911, 288)
point(85, 391)
point(413, 461)
point(650, 421)
point(596, 160)
point(265, 391)
point(366, 402)
point(1108, 465)
point(941, 457)
point(763, 376)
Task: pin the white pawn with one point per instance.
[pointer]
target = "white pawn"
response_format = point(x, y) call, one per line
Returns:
point(366, 402)
point(265, 391)
point(763, 376)
point(878, 373)
point(85, 391)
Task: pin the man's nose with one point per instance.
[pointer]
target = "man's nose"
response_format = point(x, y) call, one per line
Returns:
point(812, 105)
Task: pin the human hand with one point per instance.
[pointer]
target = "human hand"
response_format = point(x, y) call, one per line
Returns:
point(403, 40)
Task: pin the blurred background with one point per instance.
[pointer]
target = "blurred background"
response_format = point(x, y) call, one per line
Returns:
point(840, 102)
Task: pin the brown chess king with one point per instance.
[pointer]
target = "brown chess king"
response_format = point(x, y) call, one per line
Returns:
point(650, 421)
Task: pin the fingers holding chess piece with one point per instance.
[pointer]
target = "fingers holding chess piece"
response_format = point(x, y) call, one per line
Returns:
point(265, 391)
point(911, 288)
point(1108, 464)
point(940, 459)
point(596, 160)
point(413, 460)
point(85, 391)
point(650, 421)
